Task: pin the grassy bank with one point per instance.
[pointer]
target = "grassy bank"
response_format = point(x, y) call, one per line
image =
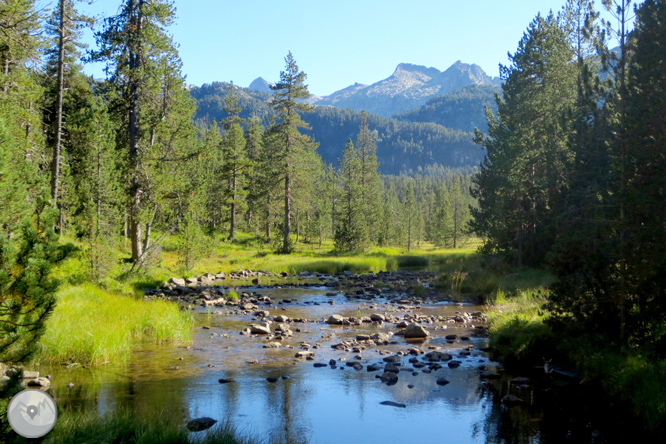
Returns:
point(123, 427)
point(523, 333)
point(93, 325)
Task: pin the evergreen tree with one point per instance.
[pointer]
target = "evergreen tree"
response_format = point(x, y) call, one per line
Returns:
point(293, 150)
point(370, 186)
point(152, 107)
point(234, 173)
point(526, 147)
point(350, 233)
point(409, 214)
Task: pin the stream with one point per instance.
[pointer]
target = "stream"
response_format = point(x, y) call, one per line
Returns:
point(326, 404)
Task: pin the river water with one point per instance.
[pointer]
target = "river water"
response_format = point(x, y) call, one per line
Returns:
point(311, 404)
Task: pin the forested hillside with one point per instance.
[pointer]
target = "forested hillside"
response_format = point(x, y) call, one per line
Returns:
point(401, 146)
point(462, 109)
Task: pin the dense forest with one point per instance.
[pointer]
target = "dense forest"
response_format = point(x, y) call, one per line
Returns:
point(574, 173)
point(401, 144)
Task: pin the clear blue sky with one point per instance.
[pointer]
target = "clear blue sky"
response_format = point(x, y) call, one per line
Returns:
point(339, 42)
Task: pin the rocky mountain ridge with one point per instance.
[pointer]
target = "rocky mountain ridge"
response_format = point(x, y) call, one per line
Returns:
point(409, 87)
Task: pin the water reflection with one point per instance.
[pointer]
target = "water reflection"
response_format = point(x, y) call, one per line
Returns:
point(317, 405)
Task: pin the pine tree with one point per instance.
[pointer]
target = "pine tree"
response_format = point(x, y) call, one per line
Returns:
point(153, 108)
point(409, 214)
point(350, 235)
point(370, 181)
point(293, 150)
point(526, 148)
point(65, 25)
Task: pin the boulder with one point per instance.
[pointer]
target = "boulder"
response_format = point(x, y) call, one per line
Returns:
point(335, 320)
point(389, 378)
point(281, 318)
point(376, 317)
point(39, 382)
point(414, 331)
point(260, 329)
point(441, 381)
point(199, 424)
point(177, 281)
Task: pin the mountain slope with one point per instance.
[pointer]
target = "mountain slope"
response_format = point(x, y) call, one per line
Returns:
point(400, 145)
point(409, 87)
point(462, 109)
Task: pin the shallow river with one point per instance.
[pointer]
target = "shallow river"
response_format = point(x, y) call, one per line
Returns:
point(323, 404)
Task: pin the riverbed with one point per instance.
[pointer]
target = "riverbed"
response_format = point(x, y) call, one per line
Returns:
point(331, 401)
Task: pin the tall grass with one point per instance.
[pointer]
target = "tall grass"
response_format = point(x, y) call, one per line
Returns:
point(92, 325)
point(123, 427)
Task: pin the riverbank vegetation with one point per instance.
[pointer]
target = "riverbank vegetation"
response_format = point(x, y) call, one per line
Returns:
point(574, 181)
point(123, 426)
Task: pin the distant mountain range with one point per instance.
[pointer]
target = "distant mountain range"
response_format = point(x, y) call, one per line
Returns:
point(418, 116)
point(409, 87)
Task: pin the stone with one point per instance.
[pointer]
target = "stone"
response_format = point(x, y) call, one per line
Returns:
point(391, 367)
point(389, 378)
point(414, 331)
point(402, 324)
point(260, 329)
point(177, 281)
point(441, 381)
point(30, 375)
point(199, 424)
point(394, 358)
point(454, 364)
point(320, 364)
point(332, 283)
point(393, 404)
point(304, 354)
point(374, 367)
point(261, 313)
point(272, 379)
point(225, 381)
point(39, 382)
point(348, 273)
point(376, 317)
point(335, 319)
point(192, 281)
point(281, 319)
point(273, 345)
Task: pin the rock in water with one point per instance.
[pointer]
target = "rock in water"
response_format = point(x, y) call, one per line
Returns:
point(335, 319)
point(414, 331)
point(389, 378)
point(199, 424)
point(393, 404)
point(442, 381)
point(272, 379)
point(225, 381)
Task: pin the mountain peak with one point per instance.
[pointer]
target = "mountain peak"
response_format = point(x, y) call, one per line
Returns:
point(411, 68)
point(259, 84)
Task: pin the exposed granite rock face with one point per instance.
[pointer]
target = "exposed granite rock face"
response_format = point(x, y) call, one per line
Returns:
point(410, 86)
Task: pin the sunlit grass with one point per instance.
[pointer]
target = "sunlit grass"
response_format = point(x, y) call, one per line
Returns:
point(122, 426)
point(92, 325)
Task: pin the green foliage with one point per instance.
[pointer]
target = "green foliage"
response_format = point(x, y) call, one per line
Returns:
point(90, 325)
point(351, 232)
point(526, 146)
point(124, 426)
point(460, 110)
point(232, 296)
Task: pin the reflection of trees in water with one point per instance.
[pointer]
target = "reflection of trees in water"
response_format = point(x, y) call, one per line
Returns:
point(285, 400)
point(560, 414)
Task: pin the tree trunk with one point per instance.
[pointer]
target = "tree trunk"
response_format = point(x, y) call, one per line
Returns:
point(287, 215)
point(135, 64)
point(55, 164)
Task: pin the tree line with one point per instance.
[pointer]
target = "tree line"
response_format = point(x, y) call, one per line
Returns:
point(126, 160)
point(574, 173)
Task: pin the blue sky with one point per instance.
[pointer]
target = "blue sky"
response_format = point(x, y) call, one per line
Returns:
point(338, 43)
